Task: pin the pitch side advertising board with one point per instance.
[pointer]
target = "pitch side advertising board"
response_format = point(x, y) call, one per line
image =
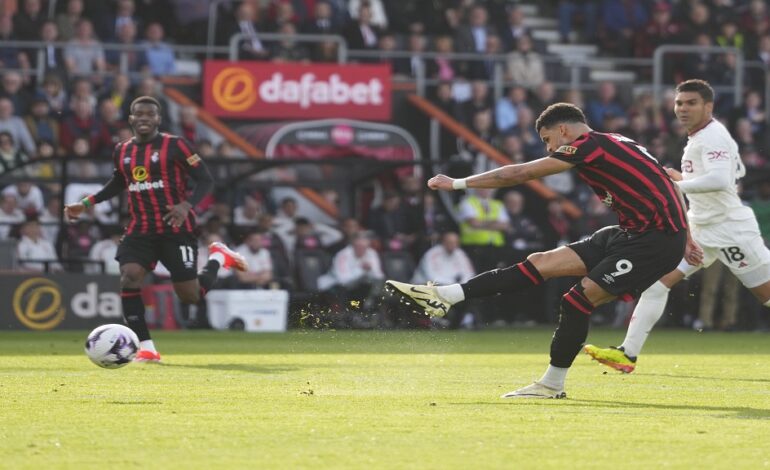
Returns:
point(286, 91)
point(58, 301)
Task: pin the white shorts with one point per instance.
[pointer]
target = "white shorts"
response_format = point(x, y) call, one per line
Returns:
point(738, 245)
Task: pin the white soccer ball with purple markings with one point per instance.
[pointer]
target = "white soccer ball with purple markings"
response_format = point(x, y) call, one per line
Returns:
point(112, 346)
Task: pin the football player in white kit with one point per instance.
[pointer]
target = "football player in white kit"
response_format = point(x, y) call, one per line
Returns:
point(726, 230)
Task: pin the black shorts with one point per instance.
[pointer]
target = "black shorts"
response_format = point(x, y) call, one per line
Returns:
point(626, 264)
point(178, 252)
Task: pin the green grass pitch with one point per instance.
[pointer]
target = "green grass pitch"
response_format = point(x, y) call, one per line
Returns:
point(404, 399)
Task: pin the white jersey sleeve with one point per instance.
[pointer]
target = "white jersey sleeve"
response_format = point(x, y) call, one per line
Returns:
point(711, 150)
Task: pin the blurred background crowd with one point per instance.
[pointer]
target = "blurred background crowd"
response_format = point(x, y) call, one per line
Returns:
point(69, 69)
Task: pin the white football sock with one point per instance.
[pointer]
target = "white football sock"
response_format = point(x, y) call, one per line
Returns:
point(648, 311)
point(147, 345)
point(452, 293)
point(218, 257)
point(554, 377)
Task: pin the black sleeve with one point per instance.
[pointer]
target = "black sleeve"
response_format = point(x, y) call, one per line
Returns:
point(197, 170)
point(583, 150)
point(115, 185)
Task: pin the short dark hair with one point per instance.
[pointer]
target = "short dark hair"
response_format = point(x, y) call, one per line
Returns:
point(144, 99)
point(558, 113)
point(700, 87)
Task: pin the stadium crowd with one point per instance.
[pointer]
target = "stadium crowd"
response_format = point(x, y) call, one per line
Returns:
point(78, 112)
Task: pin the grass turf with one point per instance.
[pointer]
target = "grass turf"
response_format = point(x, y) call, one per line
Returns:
point(382, 400)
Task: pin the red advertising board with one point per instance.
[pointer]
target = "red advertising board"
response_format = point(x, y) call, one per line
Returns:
point(278, 91)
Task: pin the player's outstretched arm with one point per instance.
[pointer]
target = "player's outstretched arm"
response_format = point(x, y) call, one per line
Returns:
point(114, 186)
point(508, 175)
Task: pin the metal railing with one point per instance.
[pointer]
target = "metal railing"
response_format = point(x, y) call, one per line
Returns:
point(342, 45)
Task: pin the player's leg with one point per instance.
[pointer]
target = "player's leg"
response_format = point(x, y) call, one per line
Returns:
point(137, 256)
point(179, 255)
point(538, 267)
point(574, 318)
point(749, 260)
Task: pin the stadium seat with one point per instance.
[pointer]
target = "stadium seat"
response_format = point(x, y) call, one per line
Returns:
point(310, 265)
point(398, 265)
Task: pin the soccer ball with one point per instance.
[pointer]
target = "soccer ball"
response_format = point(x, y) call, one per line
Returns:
point(112, 346)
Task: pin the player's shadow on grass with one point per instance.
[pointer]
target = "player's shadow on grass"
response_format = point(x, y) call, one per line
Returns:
point(696, 377)
point(247, 368)
point(740, 412)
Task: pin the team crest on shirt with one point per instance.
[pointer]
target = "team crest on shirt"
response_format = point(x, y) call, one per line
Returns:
point(139, 173)
point(568, 149)
point(193, 160)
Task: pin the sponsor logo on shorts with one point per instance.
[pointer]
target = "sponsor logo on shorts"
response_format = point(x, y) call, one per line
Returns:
point(148, 186)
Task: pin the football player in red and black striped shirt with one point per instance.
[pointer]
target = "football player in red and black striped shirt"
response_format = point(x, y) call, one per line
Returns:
point(154, 167)
point(615, 262)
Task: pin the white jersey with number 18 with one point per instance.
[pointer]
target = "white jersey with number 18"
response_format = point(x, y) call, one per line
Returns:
point(713, 149)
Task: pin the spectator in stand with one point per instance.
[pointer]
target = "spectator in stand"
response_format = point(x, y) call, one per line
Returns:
point(53, 57)
point(246, 21)
point(81, 164)
point(78, 240)
point(281, 12)
point(386, 43)
point(107, 127)
point(512, 147)
point(83, 89)
point(322, 21)
point(514, 28)
point(441, 67)
point(362, 34)
point(729, 36)
point(753, 110)
point(379, 18)
point(42, 127)
point(190, 127)
point(28, 21)
point(159, 55)
point(135, 60)
point(16, 127)
point(104, 252)
point(639, 129)
point(525, 130)
point(523, 236)
point(660, 30)
point(747, 144)
point(271, 240)
point(13, 89)
point(698, 22)
point(483, 222)
point(620, 20)
point(29, 198)
point(606, 103)
point(391, 223)
point(350, 227)
point(524, 66)
point(356, 273)
point(410, 66)
point(54, 93)
point(33, 249)
point(480, 101)
point(10, 214)
point(81, 124)
point(125, 13)
point(260, 272)
point(50, 218)
point(248, 213)
point(288, 49)
point(84, 54)
point(575, 97)
point(485, 69)
point(118, 93)
point(587, 10)
point(285, 215)
point(10, 155)
point(544, 95)
point(473, 36)
point(68, 20)
point(435, 221)
point(756, 14)
point(11, 57)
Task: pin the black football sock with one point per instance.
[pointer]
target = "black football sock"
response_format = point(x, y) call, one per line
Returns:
point(497, 281)
point(133, 312)
point(573, 327)
point(207, 277)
